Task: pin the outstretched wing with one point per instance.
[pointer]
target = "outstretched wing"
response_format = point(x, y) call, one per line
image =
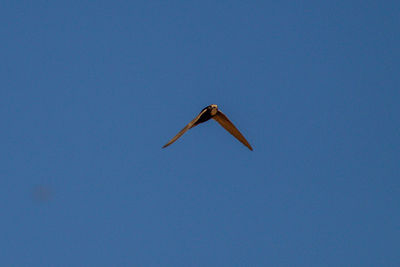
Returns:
point(187, 127)
point(228, 125)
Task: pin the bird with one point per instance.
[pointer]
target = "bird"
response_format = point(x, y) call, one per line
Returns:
point(212, 112)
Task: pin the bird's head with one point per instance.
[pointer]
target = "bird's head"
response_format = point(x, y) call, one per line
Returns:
point(214, 109)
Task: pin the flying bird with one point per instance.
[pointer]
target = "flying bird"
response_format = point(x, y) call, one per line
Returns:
point(212, 112)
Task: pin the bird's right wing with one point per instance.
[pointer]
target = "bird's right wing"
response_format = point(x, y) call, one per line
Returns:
point(187, 127)
point(223, 120)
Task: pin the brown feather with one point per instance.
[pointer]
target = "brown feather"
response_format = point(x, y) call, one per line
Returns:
point(184, 130)
point(228, 125)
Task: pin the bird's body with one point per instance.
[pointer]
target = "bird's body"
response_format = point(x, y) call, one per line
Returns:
point(212, 112)
point(206, 114)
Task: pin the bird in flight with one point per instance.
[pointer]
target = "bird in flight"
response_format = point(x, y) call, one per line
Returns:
point(212, 112)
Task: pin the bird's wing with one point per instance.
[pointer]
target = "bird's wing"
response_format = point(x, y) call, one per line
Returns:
point(187, 127)
point(228, 125)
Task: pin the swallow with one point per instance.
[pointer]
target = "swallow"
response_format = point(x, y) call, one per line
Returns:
point(212, 112)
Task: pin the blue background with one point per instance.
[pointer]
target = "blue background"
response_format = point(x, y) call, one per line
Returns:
point(91, 90)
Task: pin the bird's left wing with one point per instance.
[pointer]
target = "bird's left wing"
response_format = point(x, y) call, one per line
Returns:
point(228, 125)
point(187, 127)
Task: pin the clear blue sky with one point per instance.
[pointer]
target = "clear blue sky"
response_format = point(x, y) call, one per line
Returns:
point(91, 90)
